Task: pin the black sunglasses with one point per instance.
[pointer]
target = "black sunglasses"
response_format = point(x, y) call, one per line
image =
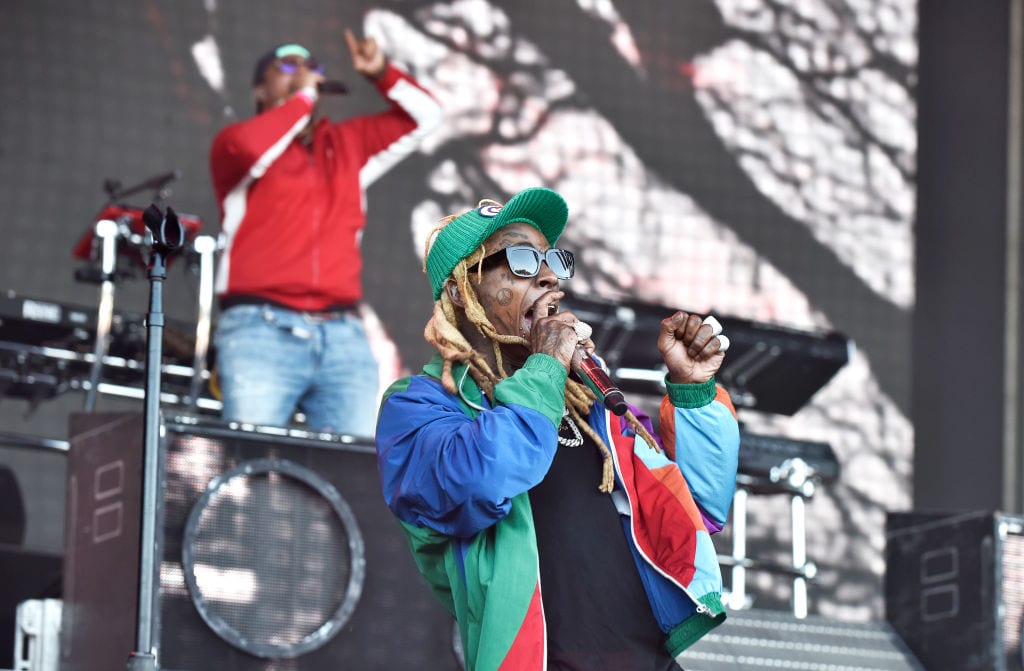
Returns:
point(525, 261)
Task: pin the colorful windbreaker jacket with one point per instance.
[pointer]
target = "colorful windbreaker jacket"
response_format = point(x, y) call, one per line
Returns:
point(292, 216)
point(456, 472)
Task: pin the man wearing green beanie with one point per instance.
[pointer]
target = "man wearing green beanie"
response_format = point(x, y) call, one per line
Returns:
point(558, 535)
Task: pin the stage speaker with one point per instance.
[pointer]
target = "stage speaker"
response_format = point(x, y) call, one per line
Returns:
point(277, 554)
point(954, 588)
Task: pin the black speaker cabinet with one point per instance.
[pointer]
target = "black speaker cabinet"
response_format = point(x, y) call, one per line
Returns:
point(954, 588)
point(277, 554)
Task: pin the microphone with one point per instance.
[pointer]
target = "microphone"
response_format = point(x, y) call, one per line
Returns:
point(331, 87)
point(588, 369)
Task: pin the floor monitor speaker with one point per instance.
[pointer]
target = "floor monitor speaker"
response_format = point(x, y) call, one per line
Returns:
point(954, 587)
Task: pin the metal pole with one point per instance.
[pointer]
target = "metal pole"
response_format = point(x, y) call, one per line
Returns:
point(167, 236)
point(205, 246)
point(738, 589)
point(106, 231)
point(1013, 443)
point(144, 657)
point(799, 556)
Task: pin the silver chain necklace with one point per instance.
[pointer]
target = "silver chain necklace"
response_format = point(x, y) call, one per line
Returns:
point(577, 437)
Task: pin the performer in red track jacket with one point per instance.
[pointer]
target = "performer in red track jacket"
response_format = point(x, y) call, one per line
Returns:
point(291, 190)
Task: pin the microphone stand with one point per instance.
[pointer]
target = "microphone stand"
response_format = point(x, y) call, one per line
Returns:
point(168, 234)
point(116, 192)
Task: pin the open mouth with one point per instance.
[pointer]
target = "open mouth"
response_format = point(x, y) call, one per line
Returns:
point(550, 309)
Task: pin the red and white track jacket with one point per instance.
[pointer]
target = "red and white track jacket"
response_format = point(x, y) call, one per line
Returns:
point(292, 215)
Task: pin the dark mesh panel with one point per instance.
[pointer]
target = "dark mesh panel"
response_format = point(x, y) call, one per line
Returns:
point(271, 558)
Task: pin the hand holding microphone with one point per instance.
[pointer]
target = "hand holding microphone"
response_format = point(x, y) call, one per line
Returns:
point(325, 87)
point(331, 87)
point(693, 349)
point(588, 369)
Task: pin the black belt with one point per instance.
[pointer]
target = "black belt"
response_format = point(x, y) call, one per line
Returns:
point(328, 313)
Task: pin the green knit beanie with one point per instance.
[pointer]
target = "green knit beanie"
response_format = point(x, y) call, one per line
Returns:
point(542, 208)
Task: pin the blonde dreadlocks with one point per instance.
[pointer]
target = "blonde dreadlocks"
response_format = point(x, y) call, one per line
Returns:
point(442, 331)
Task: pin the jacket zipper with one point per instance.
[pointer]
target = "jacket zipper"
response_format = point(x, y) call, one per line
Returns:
point(701, 608)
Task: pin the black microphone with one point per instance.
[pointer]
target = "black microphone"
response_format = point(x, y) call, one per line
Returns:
point(331, 87)
point(588, 369)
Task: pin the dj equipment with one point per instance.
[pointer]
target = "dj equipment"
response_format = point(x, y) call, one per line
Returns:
point(132, 235)
point(954, 588)
point(46, 348)
point(277, 552)
point(764, 458)
point(769, 367)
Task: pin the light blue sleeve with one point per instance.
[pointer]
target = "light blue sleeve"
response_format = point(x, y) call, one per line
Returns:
point(707, 441)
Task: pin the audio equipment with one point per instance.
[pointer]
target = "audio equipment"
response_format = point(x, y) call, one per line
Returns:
point(954, 587)
point(277, 552)
point(762, 456)
point(46, 349)
point(769, 367)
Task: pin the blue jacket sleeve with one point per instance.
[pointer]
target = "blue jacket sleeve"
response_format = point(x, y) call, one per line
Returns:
point(705, 441)
point(456, 474)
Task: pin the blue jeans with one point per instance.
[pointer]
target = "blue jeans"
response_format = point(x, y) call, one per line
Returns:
point(272, 361)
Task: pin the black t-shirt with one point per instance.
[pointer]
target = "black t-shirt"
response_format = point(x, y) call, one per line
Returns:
point(597, 613)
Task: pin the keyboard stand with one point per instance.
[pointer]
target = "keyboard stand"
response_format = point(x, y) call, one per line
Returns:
point(797, 479)
point(107, 232)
